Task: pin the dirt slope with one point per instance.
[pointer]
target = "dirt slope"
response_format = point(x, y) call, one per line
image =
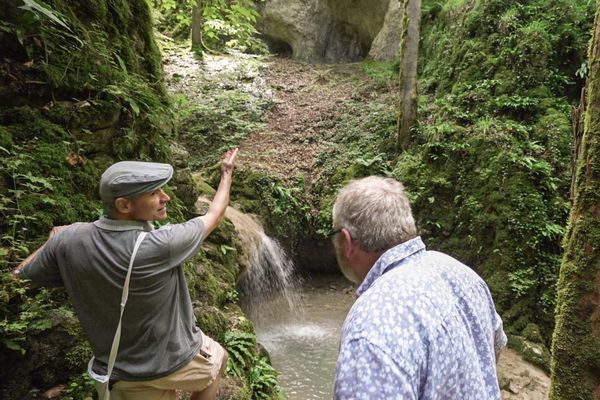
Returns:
point(303, 97)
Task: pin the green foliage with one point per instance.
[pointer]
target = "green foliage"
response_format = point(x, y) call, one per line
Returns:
point(12, 330)
point(361, 135)
point(37, 313)
point(288, 200)
point(381, 72)
point(488, 175)
point(275, 201)
point(241, 347)
point(231, 24)
point(32, 193)
point(82, 387)
point(225, 24)
point(77, 57)
point(217, 122)
point(93, 94)
point(532, 44)
point(23, 185)
point(263, 381)
point(38, 10)
point(245, 362)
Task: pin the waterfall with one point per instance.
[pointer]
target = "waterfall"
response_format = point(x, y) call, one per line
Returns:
point(269, 275)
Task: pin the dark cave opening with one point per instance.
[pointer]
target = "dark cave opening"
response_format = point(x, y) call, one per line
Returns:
point(279, 47)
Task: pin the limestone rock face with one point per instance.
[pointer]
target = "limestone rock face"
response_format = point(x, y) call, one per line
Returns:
point(301, 24)
point(332, 31)
point(386, 45)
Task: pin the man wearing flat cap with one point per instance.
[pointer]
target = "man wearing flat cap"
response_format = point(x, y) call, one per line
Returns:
point(160, 348)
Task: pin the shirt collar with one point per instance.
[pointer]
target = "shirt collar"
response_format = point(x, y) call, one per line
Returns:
point(389, 260)
point(123, 225)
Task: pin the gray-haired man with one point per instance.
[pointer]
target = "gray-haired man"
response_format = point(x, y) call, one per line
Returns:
point(161, 349)
point(424, 325)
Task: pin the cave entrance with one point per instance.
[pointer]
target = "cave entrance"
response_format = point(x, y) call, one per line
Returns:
point(344, 44)
point(279, 47)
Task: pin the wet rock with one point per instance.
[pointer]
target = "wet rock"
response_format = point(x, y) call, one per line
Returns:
point(316, 255)
point(301, 26)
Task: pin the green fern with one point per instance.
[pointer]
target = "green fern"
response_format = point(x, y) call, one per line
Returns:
point(263, 381)
point(244, 362)
point(241, 347)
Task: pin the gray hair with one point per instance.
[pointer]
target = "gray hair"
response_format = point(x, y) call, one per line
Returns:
point(376, 212)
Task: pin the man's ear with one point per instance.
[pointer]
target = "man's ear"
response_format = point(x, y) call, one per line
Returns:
point(349, 245)
point(122, 205)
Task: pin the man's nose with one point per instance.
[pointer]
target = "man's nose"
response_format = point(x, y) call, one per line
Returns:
point(164, 197)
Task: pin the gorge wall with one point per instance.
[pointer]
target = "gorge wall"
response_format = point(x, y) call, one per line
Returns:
point(333, 31)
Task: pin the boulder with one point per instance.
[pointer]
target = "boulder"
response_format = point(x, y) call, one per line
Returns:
point(300, 24)
point(332, 31)
point(386, 45)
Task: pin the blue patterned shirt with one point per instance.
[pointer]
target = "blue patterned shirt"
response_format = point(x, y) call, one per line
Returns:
point(423, 327)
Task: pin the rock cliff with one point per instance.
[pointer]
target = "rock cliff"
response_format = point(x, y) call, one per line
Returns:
point(333, 31)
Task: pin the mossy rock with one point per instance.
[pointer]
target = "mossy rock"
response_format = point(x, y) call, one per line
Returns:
point(532, 333)
point(212, 320)
point(536, 353)
point(204, 188)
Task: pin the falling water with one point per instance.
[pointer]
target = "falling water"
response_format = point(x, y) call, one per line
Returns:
point(269, 272)
point(299, 330)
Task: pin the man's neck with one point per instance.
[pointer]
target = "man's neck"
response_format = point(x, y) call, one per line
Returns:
point(364, 262)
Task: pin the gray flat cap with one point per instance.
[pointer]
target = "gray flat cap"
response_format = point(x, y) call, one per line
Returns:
point(132, 178)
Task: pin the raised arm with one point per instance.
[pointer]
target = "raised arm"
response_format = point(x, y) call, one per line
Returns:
point(217, 207)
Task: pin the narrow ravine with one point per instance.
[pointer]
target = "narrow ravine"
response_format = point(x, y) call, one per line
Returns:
point(303, 101)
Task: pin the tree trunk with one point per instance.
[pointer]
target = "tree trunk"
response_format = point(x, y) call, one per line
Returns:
point(576, 340)
point(197, 27)
point(409, 52)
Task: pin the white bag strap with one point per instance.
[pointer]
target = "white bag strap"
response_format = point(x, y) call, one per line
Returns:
point(116, 340)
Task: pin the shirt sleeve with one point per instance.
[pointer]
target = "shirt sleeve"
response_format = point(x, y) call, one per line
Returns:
point(43, 268)
point(500, 339)
point(365, 371)
point(184, 240)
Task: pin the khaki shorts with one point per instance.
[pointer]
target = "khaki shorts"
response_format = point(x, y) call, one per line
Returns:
point(195, 376)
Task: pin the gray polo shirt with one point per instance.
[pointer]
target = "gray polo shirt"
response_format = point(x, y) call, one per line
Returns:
point(159, 334)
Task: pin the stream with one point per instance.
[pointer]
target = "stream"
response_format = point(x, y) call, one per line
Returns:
point(303, 343)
